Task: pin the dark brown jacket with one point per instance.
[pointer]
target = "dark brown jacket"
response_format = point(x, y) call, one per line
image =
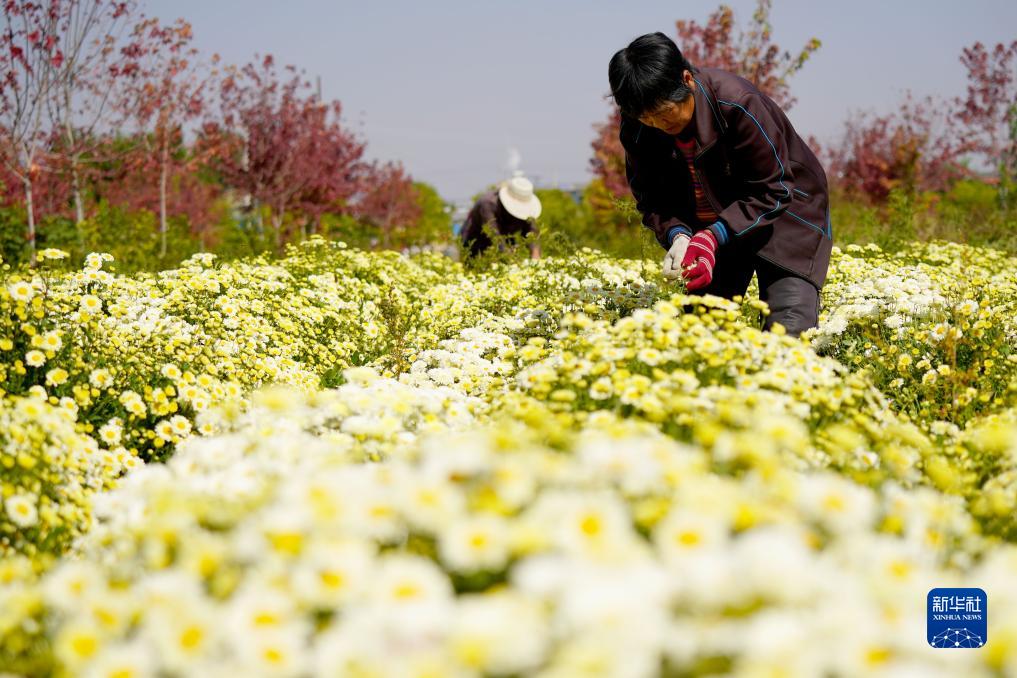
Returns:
point(761, 178)
point(489, 210)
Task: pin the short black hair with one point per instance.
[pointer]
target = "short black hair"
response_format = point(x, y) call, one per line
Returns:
point(647, 73)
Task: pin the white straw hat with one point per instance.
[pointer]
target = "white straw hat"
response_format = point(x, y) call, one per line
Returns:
point(517, 196)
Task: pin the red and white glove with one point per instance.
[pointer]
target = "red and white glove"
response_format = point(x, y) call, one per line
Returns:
point(699, 260)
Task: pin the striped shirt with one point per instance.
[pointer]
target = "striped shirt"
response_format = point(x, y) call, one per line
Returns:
point(704, 212)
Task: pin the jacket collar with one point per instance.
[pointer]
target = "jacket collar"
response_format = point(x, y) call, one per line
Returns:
point(706, 120)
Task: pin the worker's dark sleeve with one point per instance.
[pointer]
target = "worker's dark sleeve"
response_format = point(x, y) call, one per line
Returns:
point(479, 215)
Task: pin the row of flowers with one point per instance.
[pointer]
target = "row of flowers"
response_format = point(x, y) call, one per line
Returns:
point(133, 360)
point(540, 454)
point(272, 548)
point(123, 365)
point(935, 325)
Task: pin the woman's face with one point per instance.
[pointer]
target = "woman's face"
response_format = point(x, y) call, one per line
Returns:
point(672, 116)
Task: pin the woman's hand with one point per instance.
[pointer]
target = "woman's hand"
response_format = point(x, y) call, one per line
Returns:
point(674, 257)
point(699, 260)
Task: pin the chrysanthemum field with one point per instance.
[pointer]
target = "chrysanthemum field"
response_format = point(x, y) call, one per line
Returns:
point(342, 463)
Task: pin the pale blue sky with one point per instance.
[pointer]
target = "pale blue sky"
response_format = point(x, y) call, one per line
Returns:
point(450, 86)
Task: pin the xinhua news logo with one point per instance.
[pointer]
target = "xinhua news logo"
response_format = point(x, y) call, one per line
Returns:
point(957, 618)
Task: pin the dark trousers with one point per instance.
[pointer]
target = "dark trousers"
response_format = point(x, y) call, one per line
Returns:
point(793, 300)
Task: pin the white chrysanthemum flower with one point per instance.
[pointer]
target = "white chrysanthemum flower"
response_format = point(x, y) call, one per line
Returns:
point(56, 376)
point(431, 505)
point(52, 253)
point(359, 642)
point(650, 356)
point(276, 652)
point(837, 503)
point(475, 543)
point(170, 371)
point(592, 603)
point(164, 430)
point(601, 389)
point(21, 290)
point(330, 576)
point(51, 341)
point(361, 376)
point(499, 634)
point(100, 378)
point(684, 532)
point(967, 307)
point(181, 426)
point(133, 658)
point(258, 609)
point(594, 524)
point(67, 403)
point(186, 633)
point(77, 643)
point(22, 510)
point(413, 591)
point(636, 467)
point(90, 303)
point(110, 433)
point(93, 260)
point(70, 583)
point(894, 321)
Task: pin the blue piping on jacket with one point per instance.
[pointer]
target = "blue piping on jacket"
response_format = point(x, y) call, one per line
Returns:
point(715, 111)
point(779, 164)
point(808, 223)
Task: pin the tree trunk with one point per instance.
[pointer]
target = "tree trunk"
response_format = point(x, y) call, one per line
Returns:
point(163, 177)
point(30, 209)
point(1003, 188)
point(386, 229)
point(277, 223)
point(1008, 169)
point(79, 203)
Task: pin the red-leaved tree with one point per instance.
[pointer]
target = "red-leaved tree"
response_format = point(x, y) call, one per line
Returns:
point(336, 171)
point(923, 144)
point(275, 142)
point(165, 89)
point(58, 60)
point(989, 111)
point(29, 58)
point(389, 201)
point(749, 52)
point(89, 36)
point(133, 180)
point(50, 189)
point(912, 149)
